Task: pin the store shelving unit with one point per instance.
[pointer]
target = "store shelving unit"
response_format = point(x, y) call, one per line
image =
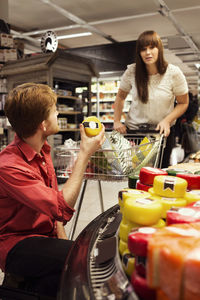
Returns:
point(3, 119)
point(104, 91)
point(60, 70)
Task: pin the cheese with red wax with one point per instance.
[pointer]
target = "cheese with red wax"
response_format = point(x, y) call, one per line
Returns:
point(147, 174)
point(143, 187)
point(183, 215)
point(192, 180)
point(141, 288)
point(138, 240)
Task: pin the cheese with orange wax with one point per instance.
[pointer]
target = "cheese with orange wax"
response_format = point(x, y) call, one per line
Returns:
point(167, 252)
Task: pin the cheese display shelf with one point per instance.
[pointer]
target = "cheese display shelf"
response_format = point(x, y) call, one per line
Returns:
point(104, 91)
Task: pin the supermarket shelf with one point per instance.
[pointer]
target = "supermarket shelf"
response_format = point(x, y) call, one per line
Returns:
point(68, 97)
point(69, 112)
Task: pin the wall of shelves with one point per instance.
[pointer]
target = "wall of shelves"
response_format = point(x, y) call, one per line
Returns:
point(68, 74)
point(104, 91)
point(3, 119)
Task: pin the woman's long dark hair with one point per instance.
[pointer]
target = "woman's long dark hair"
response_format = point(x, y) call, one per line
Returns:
point(147, 38)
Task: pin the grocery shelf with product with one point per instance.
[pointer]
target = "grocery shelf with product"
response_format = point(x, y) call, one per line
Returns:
point(69, 75)
point(104, 91)
point(4, 124)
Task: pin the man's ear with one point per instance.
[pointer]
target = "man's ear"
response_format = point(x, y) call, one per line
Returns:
point(42, 126)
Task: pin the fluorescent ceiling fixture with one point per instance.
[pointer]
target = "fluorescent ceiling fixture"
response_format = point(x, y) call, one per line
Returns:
point(69, 36)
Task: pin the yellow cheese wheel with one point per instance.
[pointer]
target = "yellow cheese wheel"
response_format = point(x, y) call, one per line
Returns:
point(160, 224)
point(143, 211)
point(169, 186)
point(128, 262)
point(92, 126)
point(130, 193)
point(168, 203)
point(122, 246)
point(192, 196)
point(125, 228)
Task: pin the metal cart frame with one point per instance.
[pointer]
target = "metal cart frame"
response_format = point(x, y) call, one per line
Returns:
point(105, 159)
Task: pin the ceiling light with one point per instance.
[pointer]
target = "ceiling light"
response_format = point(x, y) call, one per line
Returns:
point(69, 36)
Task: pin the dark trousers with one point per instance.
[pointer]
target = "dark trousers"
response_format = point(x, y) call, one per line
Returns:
point(170, 144)
point(40, 260)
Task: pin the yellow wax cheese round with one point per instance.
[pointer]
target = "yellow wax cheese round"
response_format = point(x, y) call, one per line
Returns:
point(125, 228)
point(122, 246)
point(128, 262)
point(192, 196)
point(160, 224)
point(168, 203)
point(143, 211)
point(130, 193)
point(92, 126)
point(169, 186)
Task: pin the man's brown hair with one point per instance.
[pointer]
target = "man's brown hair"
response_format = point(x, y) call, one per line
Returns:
point(27, 106)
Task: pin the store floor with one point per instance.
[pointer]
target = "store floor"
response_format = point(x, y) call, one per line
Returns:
point(91, 204)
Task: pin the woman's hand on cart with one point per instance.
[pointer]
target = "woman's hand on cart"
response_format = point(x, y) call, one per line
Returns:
point(164, 127)
point(118, 126)
point(89, 145)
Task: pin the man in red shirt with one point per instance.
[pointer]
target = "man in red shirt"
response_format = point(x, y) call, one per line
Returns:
point(33, 212)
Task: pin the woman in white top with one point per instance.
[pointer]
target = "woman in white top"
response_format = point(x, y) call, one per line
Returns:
point(154, 85)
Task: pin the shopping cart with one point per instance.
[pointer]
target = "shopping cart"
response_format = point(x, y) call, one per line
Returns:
point(114, 162)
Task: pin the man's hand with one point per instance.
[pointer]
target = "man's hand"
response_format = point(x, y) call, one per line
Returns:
point(61, 231)
point(91, 144)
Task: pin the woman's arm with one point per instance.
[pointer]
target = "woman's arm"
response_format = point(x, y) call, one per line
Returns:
point(118, 109)
point(182, 104)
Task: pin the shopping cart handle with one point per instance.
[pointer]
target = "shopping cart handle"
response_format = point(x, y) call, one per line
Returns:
point(146, 128)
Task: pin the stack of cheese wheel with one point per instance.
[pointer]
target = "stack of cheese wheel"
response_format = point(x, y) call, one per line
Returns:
point(138, 244)
point(126, 225)
point(138, 208)
point(146, 177)
point(173, 261)
point(170, 191)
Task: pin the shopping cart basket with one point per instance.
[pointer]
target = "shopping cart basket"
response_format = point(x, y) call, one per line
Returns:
point(114, 163)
